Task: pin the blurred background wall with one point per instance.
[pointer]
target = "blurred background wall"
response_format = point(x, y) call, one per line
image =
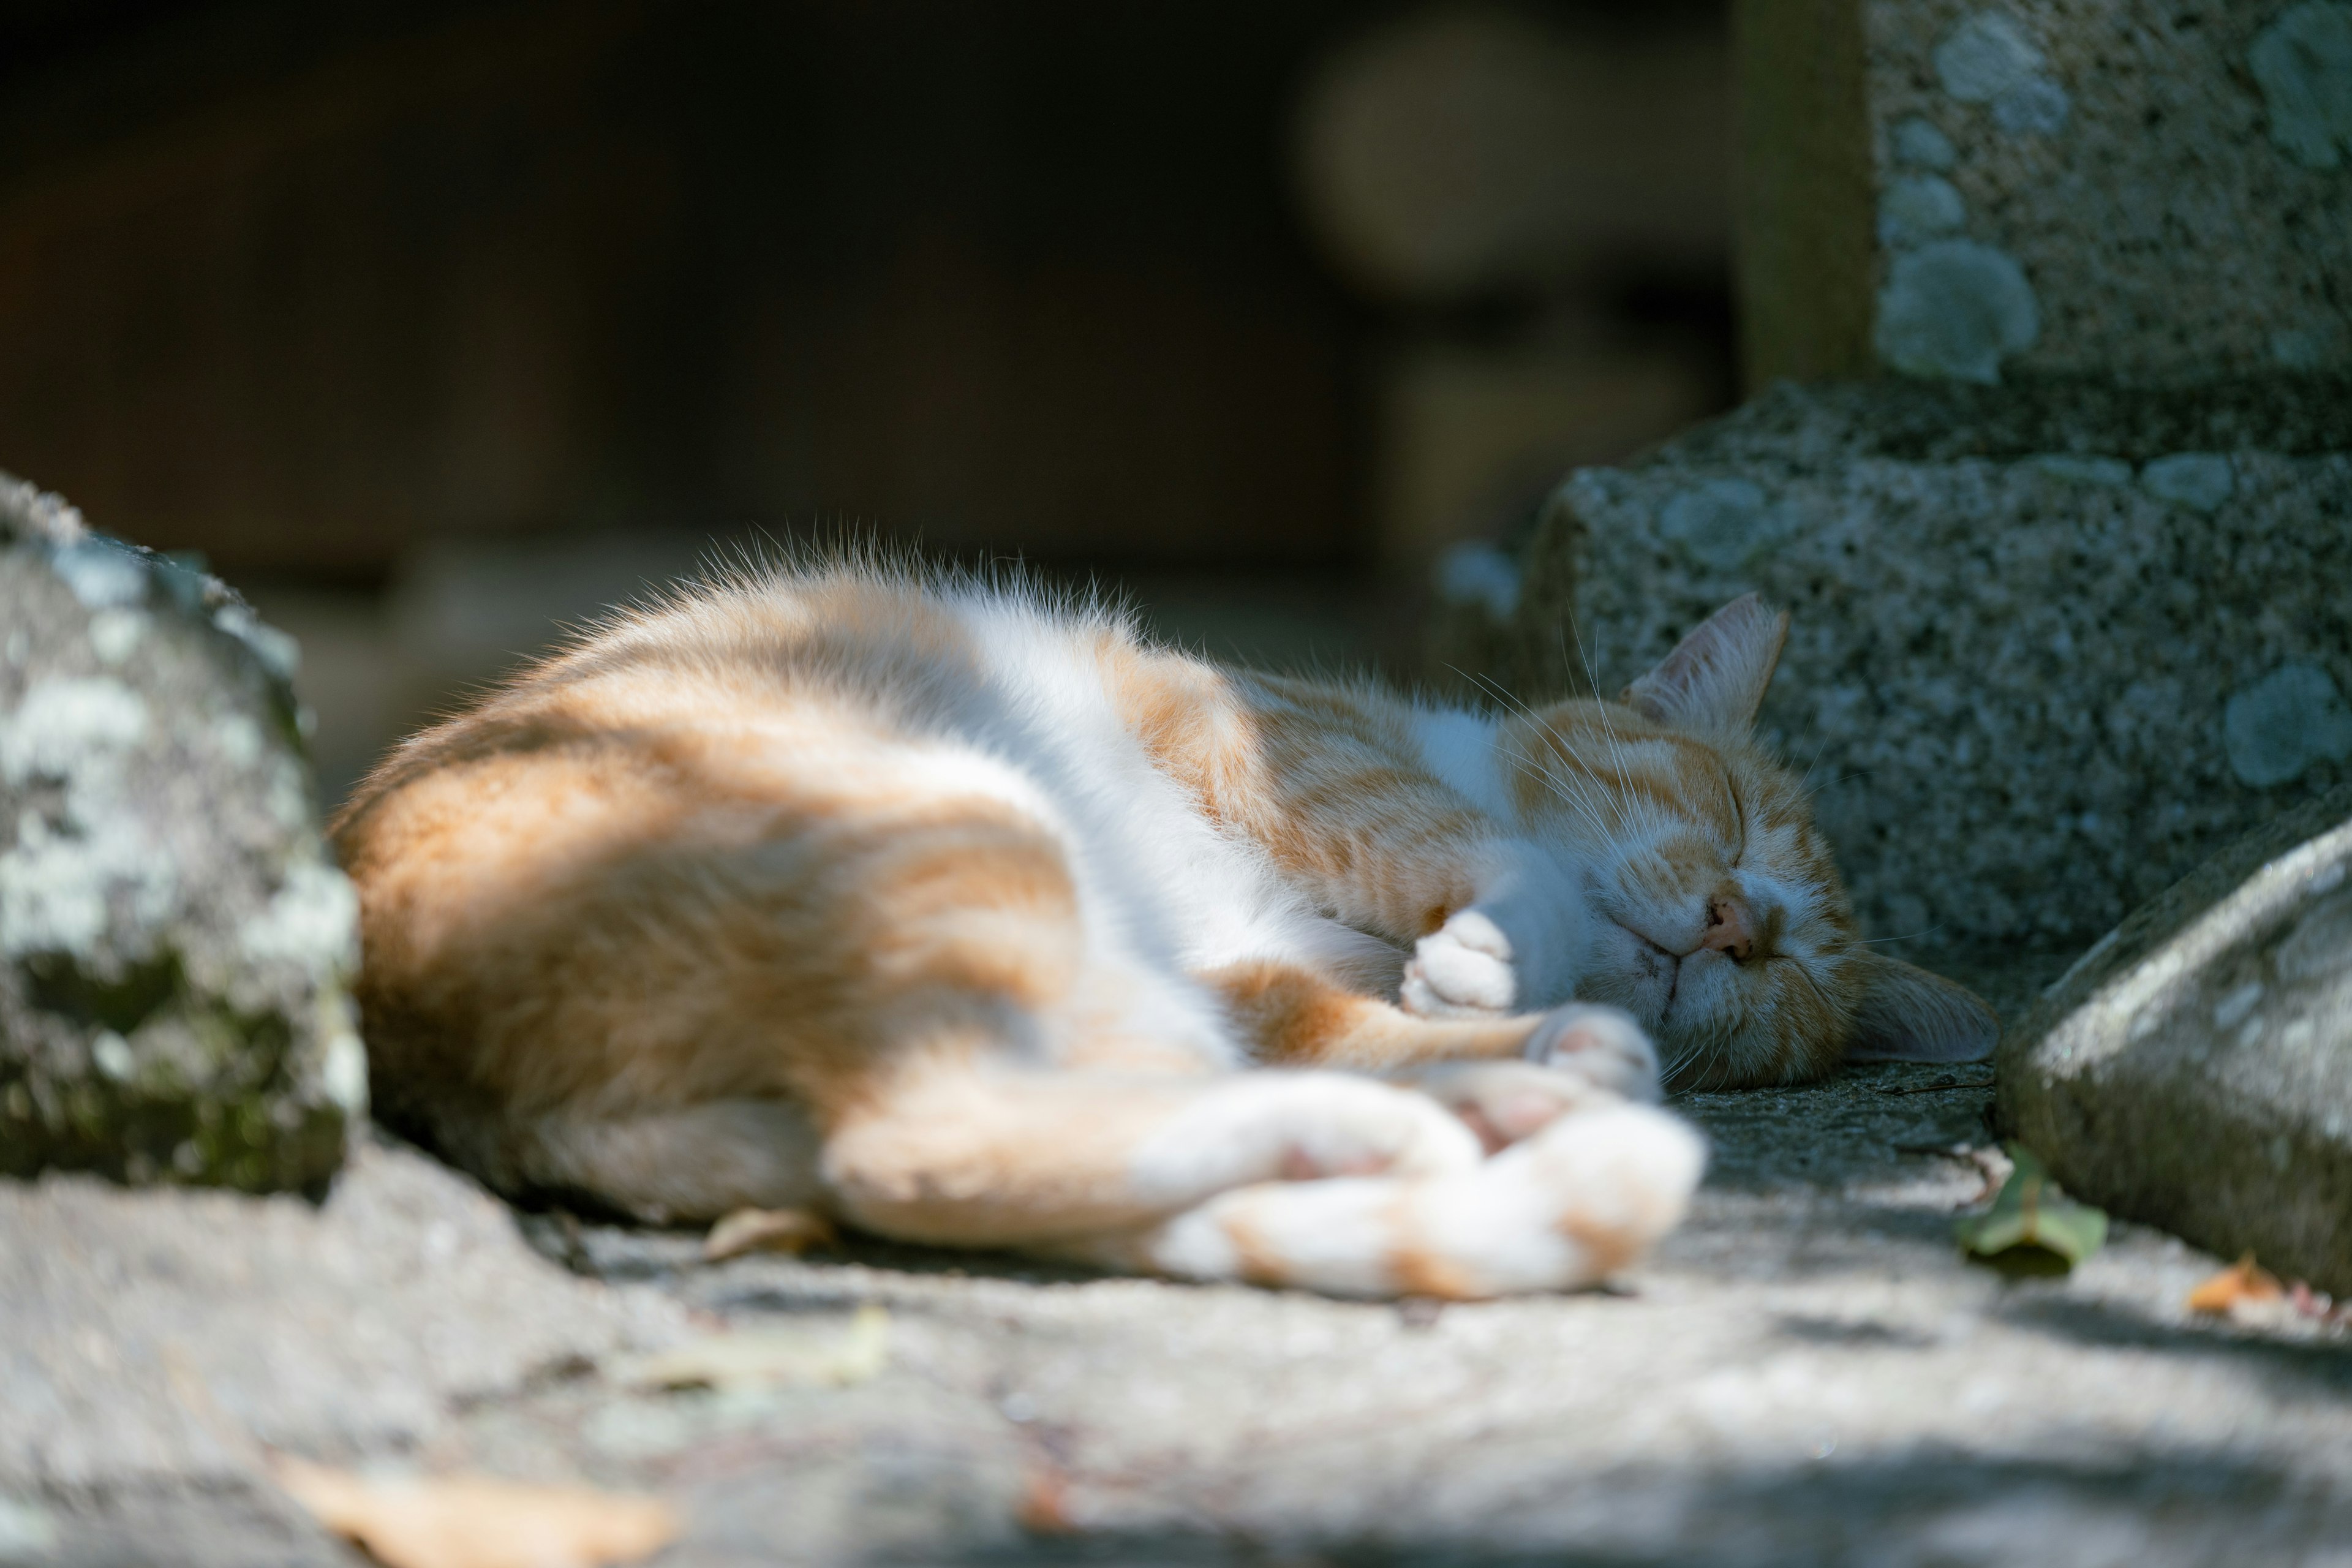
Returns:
point(433, 323)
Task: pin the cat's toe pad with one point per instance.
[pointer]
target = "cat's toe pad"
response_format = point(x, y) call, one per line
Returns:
point(1505, 1101)
point(1464, 966)
point(1602, 1045)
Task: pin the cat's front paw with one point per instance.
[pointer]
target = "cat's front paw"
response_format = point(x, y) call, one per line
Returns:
point(1505, 1101)
point(1464, 966)
point(1602, 1045)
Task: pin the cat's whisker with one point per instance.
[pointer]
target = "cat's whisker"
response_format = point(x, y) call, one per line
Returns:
point(1814, 761)
point(1609, 730)
point(1682, 1070)
point(1915, 936)
point(1572, 790)
point(1561, 785)
point(1576, 791)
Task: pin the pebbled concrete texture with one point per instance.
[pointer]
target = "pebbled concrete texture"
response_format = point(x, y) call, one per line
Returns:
point(2159, 192)
point(2167, 183)
point(2195, 1068)
point(2052, 644)
point(1808, 1371)
point(173, 934)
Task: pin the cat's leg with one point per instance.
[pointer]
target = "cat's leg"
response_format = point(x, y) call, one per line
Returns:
point(693, 1162)
point(1560, 1210)
point(1505, 1101)
point(1294, 1016)
point(1348, 793)
point(967, 1152)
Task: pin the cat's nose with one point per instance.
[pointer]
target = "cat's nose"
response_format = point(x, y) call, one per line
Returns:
point(1728, 928)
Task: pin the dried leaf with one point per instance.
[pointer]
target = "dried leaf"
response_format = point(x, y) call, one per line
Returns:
point(2243, 1283)
point(2030, 1210)
point(766, 1230)
point(768, 1358)
point(472, 1522)
point(1044, 1508)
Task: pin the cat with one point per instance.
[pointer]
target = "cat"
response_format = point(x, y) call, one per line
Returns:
point(955, 912)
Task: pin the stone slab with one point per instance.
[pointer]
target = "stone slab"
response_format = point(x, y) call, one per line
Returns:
point(2051, 647)
point(2157, 191)
point(173, 933)
point(1808, 1371)
point(2194, 1069)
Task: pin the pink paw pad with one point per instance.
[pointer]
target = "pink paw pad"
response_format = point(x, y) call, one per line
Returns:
point(1602, 1045)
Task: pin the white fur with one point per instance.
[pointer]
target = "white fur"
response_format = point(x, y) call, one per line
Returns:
point(1156, 882)
point(1464, 966)
point(1460, 749)
point(1268, 1126)
point(1513, 1223)
point(1524, 944)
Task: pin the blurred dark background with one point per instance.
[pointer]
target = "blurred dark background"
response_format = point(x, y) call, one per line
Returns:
point(432, 324)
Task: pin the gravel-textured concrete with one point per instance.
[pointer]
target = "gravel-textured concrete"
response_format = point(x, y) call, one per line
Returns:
point(2050, 647)
point(2145, 176)
point(1808, 1371)
point(2153, 191)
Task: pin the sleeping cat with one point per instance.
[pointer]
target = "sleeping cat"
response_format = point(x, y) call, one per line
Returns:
point(959, 913)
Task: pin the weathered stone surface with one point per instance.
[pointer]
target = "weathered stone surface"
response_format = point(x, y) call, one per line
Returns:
point(151, 1340)
point(2194, 1069)
point(2051, 647)
point(1808, 1372)
point(2152, 190)
point(173, 934)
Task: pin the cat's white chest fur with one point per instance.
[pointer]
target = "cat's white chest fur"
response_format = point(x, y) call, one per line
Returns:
point(1159, 883)
point(1459, 749)
point(1527, 941)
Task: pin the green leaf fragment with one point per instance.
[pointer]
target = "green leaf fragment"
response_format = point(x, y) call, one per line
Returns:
point(2032, 1211)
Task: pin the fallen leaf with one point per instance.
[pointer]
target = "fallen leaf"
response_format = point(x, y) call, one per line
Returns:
point(1045, 1507)
point(472, 1521)
point(766, 1230)
point(2031, 1211)
point(2244, 1281)
point(767, 1358)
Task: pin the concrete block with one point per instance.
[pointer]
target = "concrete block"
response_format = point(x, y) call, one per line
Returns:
point(2051, 648)
point(2157, 191)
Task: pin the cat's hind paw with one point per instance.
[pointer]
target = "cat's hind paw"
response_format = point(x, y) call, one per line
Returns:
point(1610, 1182)
point(1590, 1193)
point(1462, 967)
point(1602, 1045)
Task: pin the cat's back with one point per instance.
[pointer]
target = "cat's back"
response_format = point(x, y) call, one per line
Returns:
point(778, 713)
point(786, 664)
point(744, 769)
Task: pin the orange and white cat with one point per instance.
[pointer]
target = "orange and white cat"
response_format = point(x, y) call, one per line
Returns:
point(969, 917)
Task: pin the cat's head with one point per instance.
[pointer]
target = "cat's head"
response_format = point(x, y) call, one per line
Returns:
point(1725, 929)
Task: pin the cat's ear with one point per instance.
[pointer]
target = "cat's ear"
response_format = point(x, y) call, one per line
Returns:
point(1714, 681)
point(1910, 1016)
